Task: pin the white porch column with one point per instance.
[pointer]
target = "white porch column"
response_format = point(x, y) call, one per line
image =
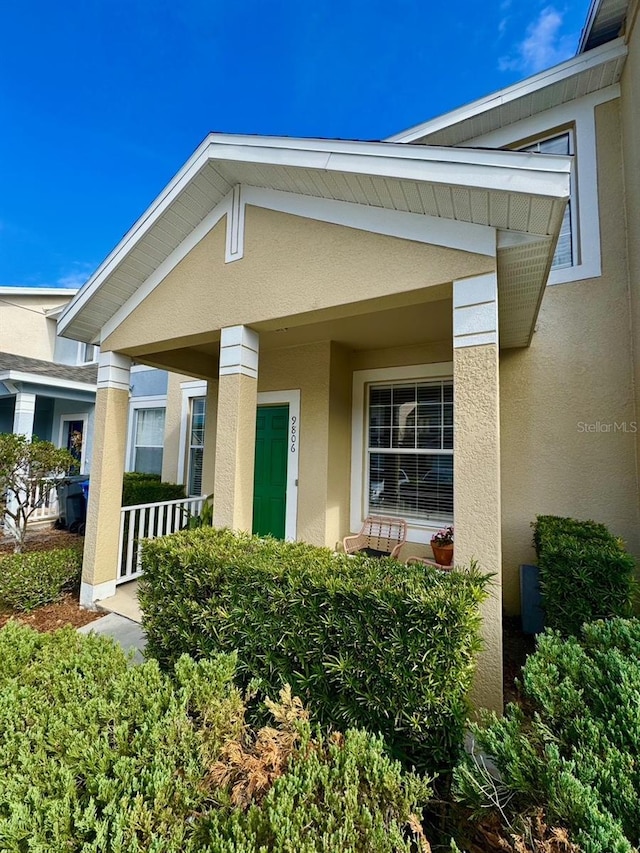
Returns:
point(101, 548)
point(236, 429)
point(477, 504)
point(24, 414)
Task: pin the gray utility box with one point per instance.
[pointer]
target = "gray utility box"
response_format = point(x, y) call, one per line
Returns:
point(531, 600)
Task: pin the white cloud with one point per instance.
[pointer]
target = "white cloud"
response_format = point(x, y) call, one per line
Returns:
point(543, 46)
point(75, 277)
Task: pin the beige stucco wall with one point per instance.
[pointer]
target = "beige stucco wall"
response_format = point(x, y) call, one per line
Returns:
point(24, 327)
point(577, 371)
point(291, 266)
point(630, 125)
point(477, 500)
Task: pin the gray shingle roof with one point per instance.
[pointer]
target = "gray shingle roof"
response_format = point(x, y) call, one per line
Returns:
point(87, 373)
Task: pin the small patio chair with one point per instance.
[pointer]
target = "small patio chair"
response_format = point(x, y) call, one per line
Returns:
point(380, 537)
point(425, 561)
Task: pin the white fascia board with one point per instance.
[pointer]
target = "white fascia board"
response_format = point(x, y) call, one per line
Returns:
point(433, 164)
point(49, 381)
point(583, 62)
point(37, 291)
point(594, 8)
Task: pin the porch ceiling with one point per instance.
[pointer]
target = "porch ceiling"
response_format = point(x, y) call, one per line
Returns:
point(415, 325)
point(516, 192)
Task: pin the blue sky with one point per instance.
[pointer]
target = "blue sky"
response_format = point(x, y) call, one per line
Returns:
point(102, 101)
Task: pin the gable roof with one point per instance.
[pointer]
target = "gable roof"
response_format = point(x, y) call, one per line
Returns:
point(514, 191)
point(568, 81)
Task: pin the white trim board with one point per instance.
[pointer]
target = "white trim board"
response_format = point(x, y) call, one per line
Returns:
point(190, 389)
point(417, 532)
point(84, 417)
point(50, 381)
point(292, 399)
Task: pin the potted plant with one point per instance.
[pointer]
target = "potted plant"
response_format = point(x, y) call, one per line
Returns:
point(442, 546)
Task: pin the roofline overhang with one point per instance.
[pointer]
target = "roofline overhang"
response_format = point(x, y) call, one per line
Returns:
point(558, 73)
point(37, 291)
point(492, 170)
point(49, 381)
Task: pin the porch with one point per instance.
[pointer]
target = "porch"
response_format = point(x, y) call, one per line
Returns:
point(301, 278)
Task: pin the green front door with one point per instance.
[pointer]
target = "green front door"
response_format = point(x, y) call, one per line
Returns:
point(270, 478)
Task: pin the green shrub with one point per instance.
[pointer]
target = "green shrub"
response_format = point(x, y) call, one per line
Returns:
point(577, 755)
point(585, 573)
point(147, 488)
point(365, 642)
point(38, 577)
point(97, 755)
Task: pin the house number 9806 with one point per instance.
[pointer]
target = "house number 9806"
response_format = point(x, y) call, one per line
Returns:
point(294, 433)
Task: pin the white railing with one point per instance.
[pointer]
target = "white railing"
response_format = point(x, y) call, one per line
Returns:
point(150, 521)
point(46, 503)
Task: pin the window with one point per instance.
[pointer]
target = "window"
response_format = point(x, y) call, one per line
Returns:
point(566, 254)
point(148, 440)
point(197, 417)
point(409, 453)
point(88, 353)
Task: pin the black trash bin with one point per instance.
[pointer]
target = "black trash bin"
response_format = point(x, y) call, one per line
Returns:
point(72, 502)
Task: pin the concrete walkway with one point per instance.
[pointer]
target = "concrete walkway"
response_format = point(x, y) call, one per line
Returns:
point(124, 602)
point(125, 631)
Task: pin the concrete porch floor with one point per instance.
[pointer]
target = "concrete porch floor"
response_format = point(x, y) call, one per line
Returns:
point(124, 602)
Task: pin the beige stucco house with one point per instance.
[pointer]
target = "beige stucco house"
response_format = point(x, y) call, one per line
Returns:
point(442, 326)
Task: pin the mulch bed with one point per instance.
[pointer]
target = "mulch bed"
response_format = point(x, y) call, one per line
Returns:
point(67, 611)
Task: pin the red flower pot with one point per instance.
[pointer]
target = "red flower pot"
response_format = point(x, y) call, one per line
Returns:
point(443, 554)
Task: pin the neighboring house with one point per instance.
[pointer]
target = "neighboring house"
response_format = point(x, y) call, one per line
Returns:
point(47, 383)
point(48, 389)
point(444, 326)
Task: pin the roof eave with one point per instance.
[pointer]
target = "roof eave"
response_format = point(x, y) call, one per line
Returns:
point(511, 94)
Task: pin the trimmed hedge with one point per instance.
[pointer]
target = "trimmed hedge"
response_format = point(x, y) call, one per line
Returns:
point(365, 642)
point(96, 755)
point(147, 488)
point(585, 573)
point(577, 752)
point(38, 577)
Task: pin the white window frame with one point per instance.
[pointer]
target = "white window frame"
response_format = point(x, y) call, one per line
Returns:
point(579, 115)
point(419, 530)
point(189, 446)
point(84, 417)
point(82, 349)
point(574, 207)
point(193, 388)
point(135, 403)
